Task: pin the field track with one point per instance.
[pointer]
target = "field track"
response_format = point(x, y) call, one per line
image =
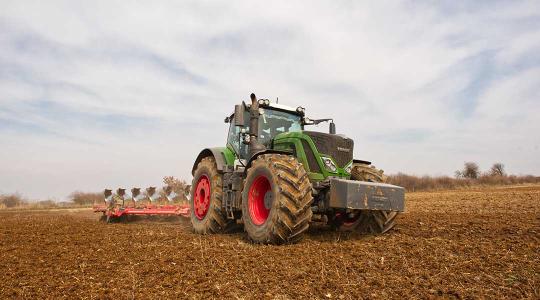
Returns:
point(481, 243)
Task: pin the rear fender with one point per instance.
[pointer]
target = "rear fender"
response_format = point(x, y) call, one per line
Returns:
point(268, 151)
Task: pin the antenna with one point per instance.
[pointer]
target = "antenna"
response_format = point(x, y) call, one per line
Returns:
point(277, 100)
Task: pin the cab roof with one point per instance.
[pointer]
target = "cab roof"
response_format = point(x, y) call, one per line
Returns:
point(276, 106)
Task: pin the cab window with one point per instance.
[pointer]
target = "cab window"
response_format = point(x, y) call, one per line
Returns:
point(274, 122)
point(233, 138)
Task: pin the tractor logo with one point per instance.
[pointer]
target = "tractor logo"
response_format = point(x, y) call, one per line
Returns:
point(379, 192)
point(344, 149)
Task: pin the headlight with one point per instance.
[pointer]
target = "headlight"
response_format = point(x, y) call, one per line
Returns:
point(348, 168)
point(264, 102)
point(329, 164)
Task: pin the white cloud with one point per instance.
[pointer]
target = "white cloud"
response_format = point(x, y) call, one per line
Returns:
point(110, 93)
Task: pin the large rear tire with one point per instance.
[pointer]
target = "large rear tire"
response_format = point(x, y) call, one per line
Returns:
point(370, 221)
point(206, 196)
point(276, 201)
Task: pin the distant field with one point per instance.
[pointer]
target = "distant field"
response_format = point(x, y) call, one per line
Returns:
point(455, 244)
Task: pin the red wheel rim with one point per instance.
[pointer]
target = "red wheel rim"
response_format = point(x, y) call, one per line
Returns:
point(258, 210)
point(201, 199)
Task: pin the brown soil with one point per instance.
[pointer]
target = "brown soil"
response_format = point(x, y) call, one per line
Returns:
point(455, 244)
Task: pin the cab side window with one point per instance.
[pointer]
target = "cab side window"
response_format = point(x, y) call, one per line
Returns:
point(234, 136)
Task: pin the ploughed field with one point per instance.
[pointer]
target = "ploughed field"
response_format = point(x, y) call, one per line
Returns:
point(472, 243)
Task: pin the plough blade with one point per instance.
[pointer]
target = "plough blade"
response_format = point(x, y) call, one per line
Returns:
point(108, 197)
point(116, 205)
point(120, 195)
point(169, 193)
point(135, 192)
point(151, 193)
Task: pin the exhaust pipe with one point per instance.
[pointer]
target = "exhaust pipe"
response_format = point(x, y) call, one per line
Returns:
point(254, 145)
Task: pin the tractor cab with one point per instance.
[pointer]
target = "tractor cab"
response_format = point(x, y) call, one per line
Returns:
point(280, 128)
point(274, 119)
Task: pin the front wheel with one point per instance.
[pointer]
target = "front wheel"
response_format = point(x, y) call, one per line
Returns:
point(206, 196)
point(276, 201)
point(370, 221)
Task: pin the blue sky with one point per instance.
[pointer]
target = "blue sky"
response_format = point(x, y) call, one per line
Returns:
point(110, 93)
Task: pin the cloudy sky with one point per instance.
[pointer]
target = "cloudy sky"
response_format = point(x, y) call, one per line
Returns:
point(98, 94)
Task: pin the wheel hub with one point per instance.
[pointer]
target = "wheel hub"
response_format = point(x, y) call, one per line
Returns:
point(348, 219)
point(260, 200)
point(201, 198)
point(268, 200)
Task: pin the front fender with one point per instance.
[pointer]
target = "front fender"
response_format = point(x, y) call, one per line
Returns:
point(218, 153)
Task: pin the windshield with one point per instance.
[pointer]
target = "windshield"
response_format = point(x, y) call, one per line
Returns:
point(274, 122)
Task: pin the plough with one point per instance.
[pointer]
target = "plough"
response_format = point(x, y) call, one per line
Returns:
point(119, 205)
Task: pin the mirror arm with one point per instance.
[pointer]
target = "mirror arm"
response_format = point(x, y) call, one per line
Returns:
point(317, 122)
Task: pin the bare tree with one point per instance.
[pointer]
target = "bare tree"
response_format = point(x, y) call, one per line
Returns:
point(180, 187)
point(471, 170)
point(497, 170)
point(82, 198)
point(12, 200)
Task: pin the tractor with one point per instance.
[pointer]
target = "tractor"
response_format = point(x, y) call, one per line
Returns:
point(274, 177)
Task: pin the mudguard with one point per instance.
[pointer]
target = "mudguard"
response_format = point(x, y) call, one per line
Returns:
point(267, 151)
point(217, 153)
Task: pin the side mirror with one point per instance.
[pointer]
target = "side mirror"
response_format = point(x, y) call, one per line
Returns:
point(239, 115)
point(332, 128)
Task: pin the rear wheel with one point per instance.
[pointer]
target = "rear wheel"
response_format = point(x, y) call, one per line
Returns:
point(206, 196)
point(371, 221)
point(276, 201)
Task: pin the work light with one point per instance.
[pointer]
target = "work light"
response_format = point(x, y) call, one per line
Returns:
point(348, 168)
point(329, 164)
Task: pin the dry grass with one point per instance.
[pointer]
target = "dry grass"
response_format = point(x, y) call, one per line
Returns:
point(42, 205)
point(17, 202)
point(429, 183)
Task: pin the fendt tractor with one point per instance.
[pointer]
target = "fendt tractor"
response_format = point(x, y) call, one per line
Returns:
point(275, 178)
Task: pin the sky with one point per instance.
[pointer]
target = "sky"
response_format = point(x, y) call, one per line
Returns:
point(97, 94)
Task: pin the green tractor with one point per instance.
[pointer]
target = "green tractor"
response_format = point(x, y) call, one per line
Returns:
point(275, 178)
